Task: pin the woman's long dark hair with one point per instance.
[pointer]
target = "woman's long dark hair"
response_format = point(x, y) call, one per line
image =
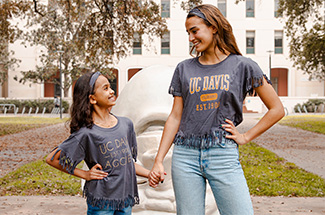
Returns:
point(224, 39)
point(81, 109)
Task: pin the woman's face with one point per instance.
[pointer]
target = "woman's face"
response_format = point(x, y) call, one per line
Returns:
point(200, 34)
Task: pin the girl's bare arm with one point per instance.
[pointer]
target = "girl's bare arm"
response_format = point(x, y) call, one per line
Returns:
point(141, 171)
point(94, 173)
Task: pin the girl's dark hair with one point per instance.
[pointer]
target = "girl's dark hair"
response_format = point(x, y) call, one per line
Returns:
point(224, 39)
point(81, 109)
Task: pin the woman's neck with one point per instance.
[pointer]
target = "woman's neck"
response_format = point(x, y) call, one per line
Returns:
point(211, 58)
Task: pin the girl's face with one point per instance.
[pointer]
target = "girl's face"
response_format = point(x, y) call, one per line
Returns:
point(200, 34)
point(104, 95)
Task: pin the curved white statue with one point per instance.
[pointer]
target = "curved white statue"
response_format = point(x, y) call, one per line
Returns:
point(145, 100)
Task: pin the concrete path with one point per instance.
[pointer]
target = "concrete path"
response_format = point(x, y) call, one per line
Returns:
point(73, 205)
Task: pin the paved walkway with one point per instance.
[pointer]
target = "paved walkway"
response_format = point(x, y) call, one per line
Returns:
point(305, 149)
point(73, 205)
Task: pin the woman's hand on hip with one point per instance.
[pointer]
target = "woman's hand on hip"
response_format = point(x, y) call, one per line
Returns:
point(239, 138)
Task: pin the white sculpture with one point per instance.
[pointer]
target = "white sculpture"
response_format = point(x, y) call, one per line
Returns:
point(145, 100)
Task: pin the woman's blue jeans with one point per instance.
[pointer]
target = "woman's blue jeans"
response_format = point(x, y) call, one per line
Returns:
point(108, 211)
point(220, 166)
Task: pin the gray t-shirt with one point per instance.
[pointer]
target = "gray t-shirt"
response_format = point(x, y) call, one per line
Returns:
point(211, 94)
point(114, 149)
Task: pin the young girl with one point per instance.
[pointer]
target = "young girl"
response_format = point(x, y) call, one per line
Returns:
point(107, 144)
point(209, 91)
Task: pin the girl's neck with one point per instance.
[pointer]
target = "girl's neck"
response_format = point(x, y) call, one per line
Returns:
point(211, 58)
point(104, 118)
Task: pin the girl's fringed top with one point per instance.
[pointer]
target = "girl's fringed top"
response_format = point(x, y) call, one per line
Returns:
point(115, 149)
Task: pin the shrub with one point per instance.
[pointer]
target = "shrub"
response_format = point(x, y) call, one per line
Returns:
point(310, 105)
point(20, 104)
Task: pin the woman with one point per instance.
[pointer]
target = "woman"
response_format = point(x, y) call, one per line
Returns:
point(209, 91)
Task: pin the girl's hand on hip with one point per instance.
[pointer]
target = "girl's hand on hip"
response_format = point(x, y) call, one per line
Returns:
point(96, 173)
point(239, 138)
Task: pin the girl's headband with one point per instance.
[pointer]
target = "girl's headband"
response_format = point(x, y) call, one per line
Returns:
point(195, 11)
point(93, 79)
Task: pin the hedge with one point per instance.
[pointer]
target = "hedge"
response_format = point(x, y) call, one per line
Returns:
point(48, 103)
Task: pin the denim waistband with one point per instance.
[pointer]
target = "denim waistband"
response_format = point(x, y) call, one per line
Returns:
point(213, 139)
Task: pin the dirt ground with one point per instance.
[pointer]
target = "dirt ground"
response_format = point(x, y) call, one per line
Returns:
point(305, 149)
point(22, 148)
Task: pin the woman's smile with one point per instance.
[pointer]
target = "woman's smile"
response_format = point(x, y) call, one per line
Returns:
point(200, 35)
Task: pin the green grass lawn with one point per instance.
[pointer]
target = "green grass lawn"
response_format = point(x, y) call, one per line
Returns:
point(11, 125)
point(266, 174)
point(315, 123)
point(269, 175)
point(38, 178)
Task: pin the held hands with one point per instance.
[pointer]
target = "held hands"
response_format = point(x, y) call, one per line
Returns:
point(156, 175)
point(96, 173)
point(239, 138)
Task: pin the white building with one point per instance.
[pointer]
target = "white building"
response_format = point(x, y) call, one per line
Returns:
point(259, 33)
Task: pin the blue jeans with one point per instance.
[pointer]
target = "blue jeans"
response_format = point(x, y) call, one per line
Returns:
point(108, 211)
point(192, 168)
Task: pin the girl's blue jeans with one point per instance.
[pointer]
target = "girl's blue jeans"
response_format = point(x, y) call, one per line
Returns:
point(220, 166)
point(108, 211)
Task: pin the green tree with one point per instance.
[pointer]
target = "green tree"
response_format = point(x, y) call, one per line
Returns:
point(189, 4)
point(9, 33)
point(84, 35)
point(307, 44)
point(78, 35)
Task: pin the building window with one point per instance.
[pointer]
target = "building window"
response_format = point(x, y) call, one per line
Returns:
point(165, 8)
point(57, 87)
point(193, 53)
point(114, 82)
point(250, 8)
point(165, 43)
point(132, 72)
point(52, 86)
point(276, 8)
point(222, 6)
point(275, 84)
point(279, 79)
point(250, 42)
point(137, 44)
point(278, 42)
